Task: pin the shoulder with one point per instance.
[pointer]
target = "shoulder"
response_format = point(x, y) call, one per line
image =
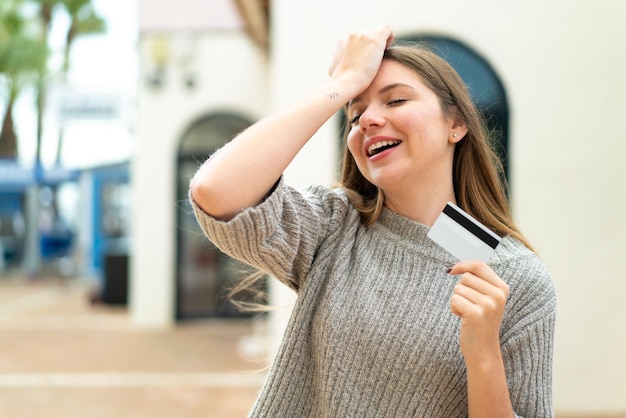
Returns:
point(521, 268)
point(314, 200)
point(332, 202)
point(519, 263)
point(328, 195)
point(532, 294)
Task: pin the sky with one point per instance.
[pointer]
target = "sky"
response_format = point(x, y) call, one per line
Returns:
point(102, 66)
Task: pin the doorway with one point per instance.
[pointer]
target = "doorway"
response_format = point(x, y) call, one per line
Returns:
point(204, 273)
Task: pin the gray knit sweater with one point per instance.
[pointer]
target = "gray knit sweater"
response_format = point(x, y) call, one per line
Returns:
point(371, 333)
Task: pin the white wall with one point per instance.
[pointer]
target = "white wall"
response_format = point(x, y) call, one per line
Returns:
point(231, 77)
point(563, 66)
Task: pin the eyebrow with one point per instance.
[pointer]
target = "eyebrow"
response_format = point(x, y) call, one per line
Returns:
point(381, 91)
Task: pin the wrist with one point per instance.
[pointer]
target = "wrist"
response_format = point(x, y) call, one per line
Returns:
point(348, 85)
point(484, 360)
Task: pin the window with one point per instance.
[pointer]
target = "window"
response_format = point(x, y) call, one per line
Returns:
point(204, 273)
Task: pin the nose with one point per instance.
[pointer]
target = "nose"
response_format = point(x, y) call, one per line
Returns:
point(371, 118)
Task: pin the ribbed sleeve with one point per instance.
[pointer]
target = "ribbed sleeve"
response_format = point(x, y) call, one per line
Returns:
point(281, 235)
point(371, 333)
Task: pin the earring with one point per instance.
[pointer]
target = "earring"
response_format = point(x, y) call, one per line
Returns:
point(455, 135)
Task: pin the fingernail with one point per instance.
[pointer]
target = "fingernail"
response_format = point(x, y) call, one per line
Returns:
point(449, 270)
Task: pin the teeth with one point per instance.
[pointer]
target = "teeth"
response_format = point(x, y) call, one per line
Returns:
point(372, 148)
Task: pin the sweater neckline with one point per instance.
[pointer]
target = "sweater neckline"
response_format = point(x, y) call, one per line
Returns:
point(413, 234)
point(401, 224)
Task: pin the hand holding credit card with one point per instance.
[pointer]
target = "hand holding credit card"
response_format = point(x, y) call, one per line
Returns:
point(463, 236)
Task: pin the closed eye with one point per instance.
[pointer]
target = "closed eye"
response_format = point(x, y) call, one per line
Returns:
point(393, 102)
point(396, 101)
point(355, 119)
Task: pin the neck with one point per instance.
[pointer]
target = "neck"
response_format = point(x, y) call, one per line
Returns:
point(423, 203)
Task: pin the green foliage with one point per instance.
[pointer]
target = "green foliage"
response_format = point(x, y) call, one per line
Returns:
point(83, 21)
point(23, 55)
point(24, 52)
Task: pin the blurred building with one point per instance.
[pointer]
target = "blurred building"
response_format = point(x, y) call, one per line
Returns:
point(551, 73)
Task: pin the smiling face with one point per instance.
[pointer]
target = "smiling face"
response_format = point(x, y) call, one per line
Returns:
point(399, 134)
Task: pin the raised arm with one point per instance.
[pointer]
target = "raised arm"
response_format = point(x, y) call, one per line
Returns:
point(244, 170)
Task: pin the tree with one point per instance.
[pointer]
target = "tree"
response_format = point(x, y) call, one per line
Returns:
point(46, 9)
point(24, 34)
point(83, 21)
point(22, 54)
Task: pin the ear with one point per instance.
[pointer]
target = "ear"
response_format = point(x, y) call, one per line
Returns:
point(458, 131)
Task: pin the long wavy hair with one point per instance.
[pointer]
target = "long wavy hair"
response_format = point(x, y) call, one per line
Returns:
point(479, 182)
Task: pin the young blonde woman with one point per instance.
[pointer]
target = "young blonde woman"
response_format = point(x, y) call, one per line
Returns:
point(386, 323)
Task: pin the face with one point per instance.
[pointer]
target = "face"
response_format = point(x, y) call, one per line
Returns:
point(400, 136)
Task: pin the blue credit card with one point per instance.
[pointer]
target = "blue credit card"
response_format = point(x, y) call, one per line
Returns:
point(463, 236)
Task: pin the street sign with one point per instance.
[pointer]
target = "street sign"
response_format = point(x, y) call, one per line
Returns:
point(85, 105)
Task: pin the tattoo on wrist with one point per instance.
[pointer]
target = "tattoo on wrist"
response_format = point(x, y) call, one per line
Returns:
point(333, 95)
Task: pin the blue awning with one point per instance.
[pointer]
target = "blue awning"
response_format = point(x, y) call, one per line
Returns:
point(15, 177)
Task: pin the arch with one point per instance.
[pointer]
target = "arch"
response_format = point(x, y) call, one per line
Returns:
point(202, 271)
point(209, 132)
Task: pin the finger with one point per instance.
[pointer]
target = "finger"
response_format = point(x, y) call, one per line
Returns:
point(478, 269)
point(390, 36)
point(362, 50)
point(472, 295)
point(386, 33)
point(478, 284)
point(460, 306)
point(471, 305)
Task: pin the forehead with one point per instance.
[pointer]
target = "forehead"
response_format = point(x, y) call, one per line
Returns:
point(392, 73)
point(395, 70)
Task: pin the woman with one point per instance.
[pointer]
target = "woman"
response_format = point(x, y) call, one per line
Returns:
point(387, 323)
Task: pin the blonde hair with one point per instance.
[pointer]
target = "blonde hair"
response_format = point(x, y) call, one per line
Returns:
point(479, 182)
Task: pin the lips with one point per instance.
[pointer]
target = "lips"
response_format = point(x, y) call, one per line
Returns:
point(376, 146)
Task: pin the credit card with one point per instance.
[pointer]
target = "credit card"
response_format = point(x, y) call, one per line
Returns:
point(463, 236)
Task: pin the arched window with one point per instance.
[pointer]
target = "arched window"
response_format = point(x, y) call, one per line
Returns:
point(203, 272)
